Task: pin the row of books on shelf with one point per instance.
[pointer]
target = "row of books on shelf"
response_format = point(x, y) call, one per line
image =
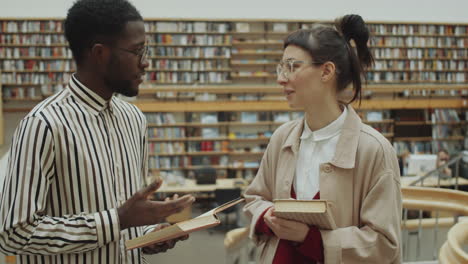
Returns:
point(198, 52)
point(258, 61)
point(246, 27)
point(164, 162)
point(256, 41)
point(31, 26)
point(187, 77)
point(259, 73)
point(418, 29)
point(160, 118)
point(20, 92)
point(170, 148)
point(223, 27)
point(253, 51)
point(193, 65)
point(166, 132)
point(196, 27)
point(409, 41)
point(30, 92)
point(418, 53)
point(445, 115)
point(427, 147)
point(215, 117)
point(442, 92)
point(34, 78)
point(455, 77)
point(32, 39)
point(35, 52)
point(222, 146)
point(190, 39)
point(446, 131)
point(420, 65)
point(36, 65)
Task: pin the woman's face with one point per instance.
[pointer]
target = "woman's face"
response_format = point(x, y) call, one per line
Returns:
point(301, 80)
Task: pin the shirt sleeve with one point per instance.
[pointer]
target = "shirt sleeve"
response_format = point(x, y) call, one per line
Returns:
point(312, 247)
point(261, 227)
point(25, 228)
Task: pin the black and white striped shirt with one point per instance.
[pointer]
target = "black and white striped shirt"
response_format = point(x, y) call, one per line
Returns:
point(74, 159)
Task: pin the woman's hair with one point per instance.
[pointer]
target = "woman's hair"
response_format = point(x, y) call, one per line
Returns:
point(327, 43)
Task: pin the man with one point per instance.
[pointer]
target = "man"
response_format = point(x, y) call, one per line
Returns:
point(78, 158)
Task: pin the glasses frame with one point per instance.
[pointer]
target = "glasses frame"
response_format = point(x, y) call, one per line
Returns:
point(286, 72)
point(141, 52)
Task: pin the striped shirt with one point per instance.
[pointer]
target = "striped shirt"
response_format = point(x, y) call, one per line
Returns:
point(75, 158)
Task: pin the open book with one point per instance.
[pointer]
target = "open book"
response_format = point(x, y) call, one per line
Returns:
point(204, 221)
point(310, 212)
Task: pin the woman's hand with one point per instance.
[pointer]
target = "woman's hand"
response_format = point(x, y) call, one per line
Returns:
point(285, 229)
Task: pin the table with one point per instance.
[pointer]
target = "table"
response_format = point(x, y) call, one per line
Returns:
point(190, 186)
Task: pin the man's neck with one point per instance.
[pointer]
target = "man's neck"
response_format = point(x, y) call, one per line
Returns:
point(92, 82)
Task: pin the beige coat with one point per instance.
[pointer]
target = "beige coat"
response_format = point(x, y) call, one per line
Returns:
point(362, 181)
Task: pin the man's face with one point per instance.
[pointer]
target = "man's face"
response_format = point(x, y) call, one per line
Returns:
point(126, 67)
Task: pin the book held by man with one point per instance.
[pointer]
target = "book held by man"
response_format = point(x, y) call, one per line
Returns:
point(310, 212)
point(204, 221)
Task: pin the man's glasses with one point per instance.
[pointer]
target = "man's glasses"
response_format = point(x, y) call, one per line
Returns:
point(286, 68)
point(141, 52)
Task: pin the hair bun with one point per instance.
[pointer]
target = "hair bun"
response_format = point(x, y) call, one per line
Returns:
point(353, 27)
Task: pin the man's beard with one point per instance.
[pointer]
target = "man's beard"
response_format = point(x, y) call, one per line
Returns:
point(120, 86)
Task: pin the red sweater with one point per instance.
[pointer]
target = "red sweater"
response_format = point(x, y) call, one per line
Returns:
point(291, 252)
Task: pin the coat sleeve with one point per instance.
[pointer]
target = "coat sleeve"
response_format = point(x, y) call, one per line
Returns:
point(259, 196)
point(25, 228)
point(377, 239)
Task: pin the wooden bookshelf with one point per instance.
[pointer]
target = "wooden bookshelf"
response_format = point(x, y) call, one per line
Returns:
point(419, 66)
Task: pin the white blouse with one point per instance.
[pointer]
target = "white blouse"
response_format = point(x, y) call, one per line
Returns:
point(316, 147)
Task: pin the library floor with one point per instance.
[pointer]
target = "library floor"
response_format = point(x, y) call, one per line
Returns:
point(202, 247)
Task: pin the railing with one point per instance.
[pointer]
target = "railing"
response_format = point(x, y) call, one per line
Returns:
point(439, 171)
point(435, 200)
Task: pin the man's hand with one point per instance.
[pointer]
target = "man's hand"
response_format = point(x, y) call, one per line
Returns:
point(163, 246)
point(140, 211)
point(285, 229)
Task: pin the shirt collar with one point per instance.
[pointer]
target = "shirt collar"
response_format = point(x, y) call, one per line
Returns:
point(326, 132)
point(88, 98)
point(346, 148)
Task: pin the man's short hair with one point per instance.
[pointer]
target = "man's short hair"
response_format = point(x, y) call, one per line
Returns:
point(93, 21)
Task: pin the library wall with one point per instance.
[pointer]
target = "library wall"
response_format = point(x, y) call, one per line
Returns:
point(397, 10)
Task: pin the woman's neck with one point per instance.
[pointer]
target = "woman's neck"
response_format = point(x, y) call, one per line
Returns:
point(321, 115)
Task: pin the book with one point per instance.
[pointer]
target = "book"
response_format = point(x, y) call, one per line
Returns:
point(310, 212)
point(204, 221)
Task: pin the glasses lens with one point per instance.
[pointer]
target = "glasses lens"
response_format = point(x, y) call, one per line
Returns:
point(144, 54)
point(279, 69)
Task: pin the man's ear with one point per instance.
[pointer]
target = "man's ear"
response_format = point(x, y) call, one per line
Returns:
point(100, 54)
point(328, 71)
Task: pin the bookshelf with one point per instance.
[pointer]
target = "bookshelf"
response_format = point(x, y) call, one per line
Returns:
point(205, 66)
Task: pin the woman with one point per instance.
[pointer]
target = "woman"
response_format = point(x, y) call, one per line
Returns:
point(329, 154)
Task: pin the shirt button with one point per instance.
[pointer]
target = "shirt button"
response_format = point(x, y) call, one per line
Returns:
point(327, 168)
